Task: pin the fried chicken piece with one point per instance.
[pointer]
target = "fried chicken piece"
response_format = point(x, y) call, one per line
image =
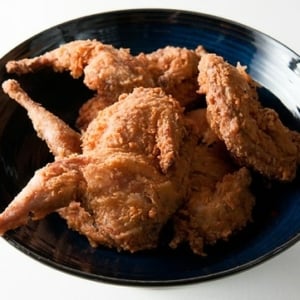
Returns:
point(50, 188)
point(147, 131)
point(89, 110)
point(197, 120)
point(175, 70)
point(254, 135)
point(107, 70)
point(121, 190)
point(60, 138)
point(220, 202)
point(127, 203)
point(214, 214)
point(145, 122)
point(111, 72)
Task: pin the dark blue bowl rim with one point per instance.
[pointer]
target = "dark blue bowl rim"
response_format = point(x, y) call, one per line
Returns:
point(123, 281)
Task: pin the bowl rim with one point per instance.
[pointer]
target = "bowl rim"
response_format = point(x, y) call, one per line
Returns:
point(121, 281)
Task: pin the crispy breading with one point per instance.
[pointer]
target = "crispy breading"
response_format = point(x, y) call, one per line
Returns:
point(254, 135)
point(131, 177)
point(220, 202)
point(140, 160)
point(105, 69)
point(174, 69)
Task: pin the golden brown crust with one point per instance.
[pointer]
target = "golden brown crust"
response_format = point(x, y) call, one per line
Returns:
point(174, 69)
point(89, 110)
point(60, 138)
point(145, 122)
point(254, 135)
point(107, 70)
point(140, 159)
point(131, 177)
point(51, 187)
point(220, 202)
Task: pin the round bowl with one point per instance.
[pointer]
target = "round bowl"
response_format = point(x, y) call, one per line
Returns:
point(276, 217)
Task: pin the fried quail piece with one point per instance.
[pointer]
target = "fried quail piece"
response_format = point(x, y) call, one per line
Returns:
point(174, 69)
point(126, 204)
point(90, 109)
point(123, 189)
point(220, 202)
point(105, 69)
point(198, 121)
point(50, 188)
point(214, 213)
point(60, 138)
point(145, 122)
point(254, 135)
point(110, 71)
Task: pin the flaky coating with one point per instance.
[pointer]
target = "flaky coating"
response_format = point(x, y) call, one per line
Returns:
point(220, 202)
point(60, 138)
point(90, 109)
point(174, 69)
point(128, 180)
point(110, 71)
point(254, 135)
point(147, 122)
point(126, 204)
point(107, 70)
point(215, 213)
point(50, 188)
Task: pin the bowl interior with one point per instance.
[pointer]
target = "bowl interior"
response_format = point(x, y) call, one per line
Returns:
point(276, 223)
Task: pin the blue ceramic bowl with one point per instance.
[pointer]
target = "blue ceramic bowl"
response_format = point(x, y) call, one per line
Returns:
point(276, 223)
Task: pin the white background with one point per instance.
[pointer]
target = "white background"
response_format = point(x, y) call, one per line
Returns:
point(21, 277)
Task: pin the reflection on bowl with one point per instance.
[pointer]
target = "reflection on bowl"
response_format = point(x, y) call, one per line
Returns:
point(276, 223)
